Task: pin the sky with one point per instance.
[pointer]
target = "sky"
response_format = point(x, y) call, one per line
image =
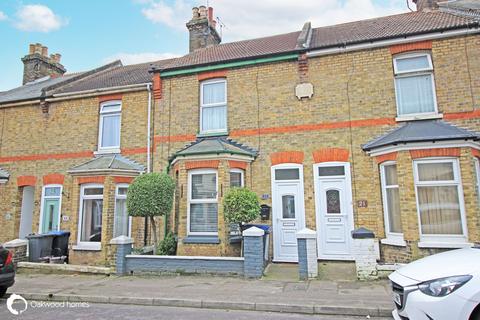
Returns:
point(90, 33)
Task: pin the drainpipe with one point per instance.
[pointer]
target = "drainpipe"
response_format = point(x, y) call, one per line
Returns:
point(149, 89)
point(149, 120)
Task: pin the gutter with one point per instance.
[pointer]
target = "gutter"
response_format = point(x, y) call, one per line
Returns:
point(23, 103)
point(389, 42)
point(124, 88)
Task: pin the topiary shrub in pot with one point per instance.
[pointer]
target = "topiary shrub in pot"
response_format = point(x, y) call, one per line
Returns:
point(151, 195)
point(241, 206)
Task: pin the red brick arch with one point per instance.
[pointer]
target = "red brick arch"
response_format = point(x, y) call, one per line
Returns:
point(330, 154)
point(392, 156)
point(437, 152)
point(54, 178)
point(24, 181)
point(287, 157)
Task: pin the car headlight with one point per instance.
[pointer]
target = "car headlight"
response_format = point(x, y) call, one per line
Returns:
point(443, 286)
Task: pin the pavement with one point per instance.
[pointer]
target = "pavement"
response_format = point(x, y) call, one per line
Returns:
point(336, 292)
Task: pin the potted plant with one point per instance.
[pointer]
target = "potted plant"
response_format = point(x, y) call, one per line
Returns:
point(151, 195)
point(241, 206)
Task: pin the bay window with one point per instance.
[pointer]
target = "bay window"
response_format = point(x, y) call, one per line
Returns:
point(213, 106)
point(391, 203)
point(414, 85)
point(236, 178)
point(440, 200)
point(110, 123)
point(122, 222)
point(203, 202)
point(90, 217)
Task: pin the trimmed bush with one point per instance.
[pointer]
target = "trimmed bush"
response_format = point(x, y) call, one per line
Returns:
point(151, 195)
point(241, 206)
point(168, 246)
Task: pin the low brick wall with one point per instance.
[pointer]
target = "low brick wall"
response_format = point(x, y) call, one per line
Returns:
point(138, 264)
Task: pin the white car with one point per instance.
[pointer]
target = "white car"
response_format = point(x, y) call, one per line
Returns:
point(441, 286)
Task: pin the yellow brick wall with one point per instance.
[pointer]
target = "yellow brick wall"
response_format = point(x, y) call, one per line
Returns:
point(70, 127)
point(349, 88)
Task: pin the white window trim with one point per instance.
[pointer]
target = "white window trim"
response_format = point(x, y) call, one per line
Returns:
point(477, 178)
point(121, 196)
point(219, 104)
point(42, 205)
point(411, 73)
point(242, 176)
point(190, 200)
point(87, 245)
point(439, 240)
point(392, 238)
point(104, 114)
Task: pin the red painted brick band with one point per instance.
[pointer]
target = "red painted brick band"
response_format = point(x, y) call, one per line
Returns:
point(123, 179)
point(202, 164)
point(92, 179)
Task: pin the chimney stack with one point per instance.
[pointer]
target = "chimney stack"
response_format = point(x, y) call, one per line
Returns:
point(202, 28)
point(37, 64)
point(426, 5)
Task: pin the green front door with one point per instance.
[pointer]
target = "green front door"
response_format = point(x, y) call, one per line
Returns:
point(50, 215)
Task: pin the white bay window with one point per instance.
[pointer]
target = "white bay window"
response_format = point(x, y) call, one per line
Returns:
point(90, 217)
point(391, 204)
point(122, 221)
point(440, 200)
point(202, 202)
point(213, 106)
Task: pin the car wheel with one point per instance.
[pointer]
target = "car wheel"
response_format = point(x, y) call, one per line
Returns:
point(475, 314)
point(3, 290)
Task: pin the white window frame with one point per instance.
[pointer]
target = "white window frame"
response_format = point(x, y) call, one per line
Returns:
point(87, 245)
point(411, 73)
point(440, 240)
point(123, 197)
point(194, 201)
point(392, 238)
point(242, 176)
point(104, 114)
point(218, 104)
point(477, 178)
point(42, 205)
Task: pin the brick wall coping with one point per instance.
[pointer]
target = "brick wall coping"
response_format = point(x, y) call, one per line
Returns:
point(15, 243)
point(121, 240)
point(185, 257)
point(306, 234)
point(253, 232)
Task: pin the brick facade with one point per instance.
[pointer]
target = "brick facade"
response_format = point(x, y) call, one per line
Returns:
point(354, 102)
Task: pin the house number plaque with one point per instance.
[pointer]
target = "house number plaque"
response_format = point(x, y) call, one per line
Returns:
point(362, 203)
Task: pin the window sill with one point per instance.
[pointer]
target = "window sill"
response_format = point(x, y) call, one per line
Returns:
point(106, 151)
point(394, 242)
point(201, 239)
point(212, 134)
point(446, 245)
point(419, 117)
point(82, 247)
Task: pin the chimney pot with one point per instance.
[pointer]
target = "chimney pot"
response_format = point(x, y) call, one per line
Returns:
point(58, 56)
point(31, 49)
point(38, 48)
point(194, 13)
point(426, 5)
point(38, 64)
point(210, 14)
point(203, 11)
point(44, 51)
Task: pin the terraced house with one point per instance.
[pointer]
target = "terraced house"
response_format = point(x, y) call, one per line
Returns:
point(365, 124)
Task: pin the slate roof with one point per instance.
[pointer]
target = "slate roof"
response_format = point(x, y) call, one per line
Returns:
point(4, 174)
point(215, 145)
point(32, 90)
point(421, 131)
point(114, 77)
point(113, 162)
point(462, 7)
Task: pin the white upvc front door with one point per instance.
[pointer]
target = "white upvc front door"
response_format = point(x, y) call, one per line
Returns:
point(288, 210)
point(333, 201)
